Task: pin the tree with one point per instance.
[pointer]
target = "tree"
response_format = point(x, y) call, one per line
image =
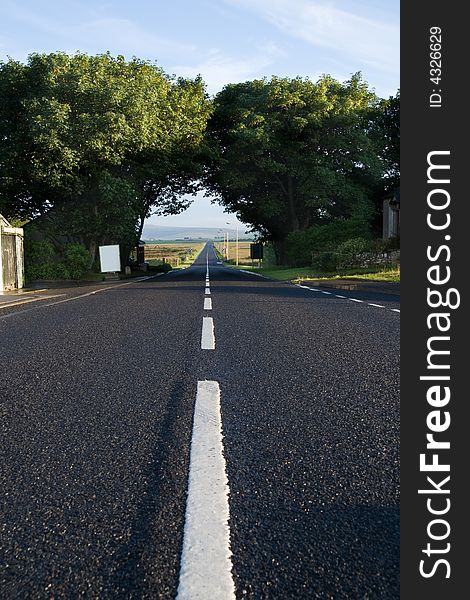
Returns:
point(387, 132)
point(167, 177)
point(97, 142)
point(286, 154)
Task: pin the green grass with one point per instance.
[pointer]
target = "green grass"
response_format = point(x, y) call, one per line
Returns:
point(306, 273)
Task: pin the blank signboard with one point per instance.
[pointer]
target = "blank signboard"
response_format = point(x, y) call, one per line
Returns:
point(109, 259)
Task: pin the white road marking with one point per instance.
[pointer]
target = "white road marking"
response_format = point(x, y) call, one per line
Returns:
point(28, 301)
point(206, 564)
point(109, 287)
point(207, 337)
point(208, 291)
point(306, 287)
point(207, 303)
point(251, 273)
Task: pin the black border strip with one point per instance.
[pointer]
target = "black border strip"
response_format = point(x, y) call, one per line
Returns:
point(431, 124)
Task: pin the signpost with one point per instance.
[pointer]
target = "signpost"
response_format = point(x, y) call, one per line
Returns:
point(256, 252)
point(110, 260)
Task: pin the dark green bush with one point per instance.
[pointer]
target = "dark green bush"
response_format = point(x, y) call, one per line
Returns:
point(325, 261)
point(39, 259)
point(76, 260)
point(161, 268)
point(348, 253)
point(43, 261)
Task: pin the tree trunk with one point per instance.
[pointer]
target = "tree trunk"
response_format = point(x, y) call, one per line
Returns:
point(294, 218)
point(280, 252)
point(92, 249)
point(141, 227)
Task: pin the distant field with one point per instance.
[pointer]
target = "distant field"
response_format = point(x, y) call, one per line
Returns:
point(177, 254)
point(243, 252)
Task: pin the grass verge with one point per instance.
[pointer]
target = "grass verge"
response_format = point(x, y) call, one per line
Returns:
point(296, 274)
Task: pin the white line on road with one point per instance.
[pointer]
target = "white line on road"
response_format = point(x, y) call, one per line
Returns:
point(208, 291)
point(251, 273)
point(88, 294)
point(306, 287)
point(206, 558)
point(28, 301)
point(207, 303)
point(207, 337)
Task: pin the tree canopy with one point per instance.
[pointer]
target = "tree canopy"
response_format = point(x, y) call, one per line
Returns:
point(95, 144)
point(99, 141)
point(286, 154)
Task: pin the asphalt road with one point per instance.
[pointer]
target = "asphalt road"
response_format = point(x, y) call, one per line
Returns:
point(98, 397)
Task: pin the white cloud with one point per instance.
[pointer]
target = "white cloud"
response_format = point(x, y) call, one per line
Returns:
point(218, 69)
point(371, 41)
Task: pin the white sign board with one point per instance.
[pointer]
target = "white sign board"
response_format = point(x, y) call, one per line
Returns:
point(109, 259)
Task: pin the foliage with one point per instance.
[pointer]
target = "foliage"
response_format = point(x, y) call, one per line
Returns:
point(76, 260)
point(288, 154)
point(302, 245)
point(98, 142)
point(349, 253)
point(160, 268)
point(43, 262)
point(386, 130)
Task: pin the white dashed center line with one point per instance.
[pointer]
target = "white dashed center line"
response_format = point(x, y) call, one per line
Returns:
point(306, 287)
point(207, 337)
point(207, 303)
point(206, 558)
point(208, 291)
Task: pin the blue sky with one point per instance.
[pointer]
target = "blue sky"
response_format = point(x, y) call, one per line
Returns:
point(225, 41)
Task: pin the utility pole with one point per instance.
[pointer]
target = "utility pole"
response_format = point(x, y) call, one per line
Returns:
point(226, 257)
point(237, 253)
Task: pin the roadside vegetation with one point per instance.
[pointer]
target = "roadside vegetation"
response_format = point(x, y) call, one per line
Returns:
point(91, 146)
point(391, 275)
point(381, 258)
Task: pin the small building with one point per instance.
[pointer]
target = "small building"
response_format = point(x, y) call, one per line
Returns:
point(391, 215)
point(11, 256)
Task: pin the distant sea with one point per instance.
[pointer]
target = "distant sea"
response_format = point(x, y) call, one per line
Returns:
point(156, 232)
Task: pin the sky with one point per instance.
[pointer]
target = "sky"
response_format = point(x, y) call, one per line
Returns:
point(226, 41)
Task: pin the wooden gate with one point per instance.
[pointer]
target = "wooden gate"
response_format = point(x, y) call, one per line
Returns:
point(9, 261)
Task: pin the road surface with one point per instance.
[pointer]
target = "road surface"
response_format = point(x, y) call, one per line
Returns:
point(203, 434)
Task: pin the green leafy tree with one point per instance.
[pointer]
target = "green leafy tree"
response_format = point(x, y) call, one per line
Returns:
point(387, 132)
point(287, 154)
point(97, 142)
